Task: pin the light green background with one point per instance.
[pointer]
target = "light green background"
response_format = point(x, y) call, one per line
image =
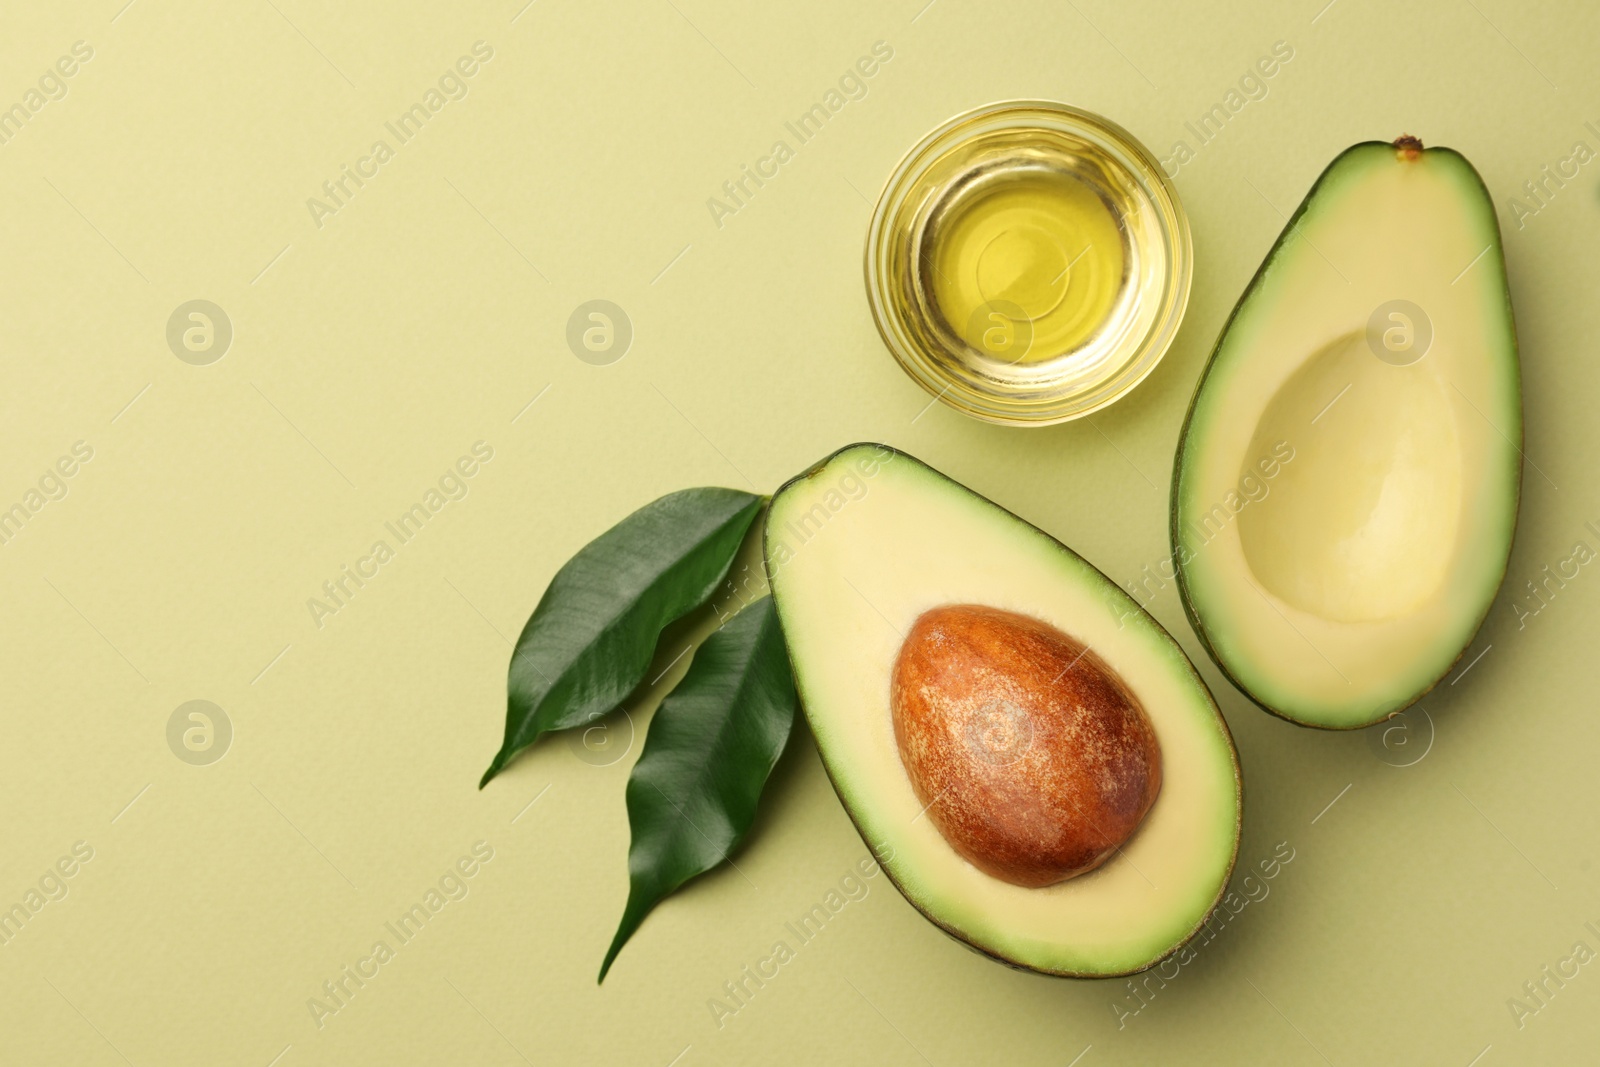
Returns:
point(370, 353)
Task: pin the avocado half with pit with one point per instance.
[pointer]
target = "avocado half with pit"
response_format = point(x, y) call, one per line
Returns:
point(1346, 484)
point(1031, 757)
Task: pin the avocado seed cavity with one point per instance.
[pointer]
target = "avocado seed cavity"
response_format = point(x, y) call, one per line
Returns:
point(1031, 756)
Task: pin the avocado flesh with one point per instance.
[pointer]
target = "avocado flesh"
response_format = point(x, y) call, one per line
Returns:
point(1340, 586)
point(857, 549)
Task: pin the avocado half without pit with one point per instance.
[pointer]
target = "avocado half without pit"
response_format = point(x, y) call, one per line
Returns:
point(1031, 757)
point(1346, 484)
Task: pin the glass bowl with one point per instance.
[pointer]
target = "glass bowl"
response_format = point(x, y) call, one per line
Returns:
point(1028, 263)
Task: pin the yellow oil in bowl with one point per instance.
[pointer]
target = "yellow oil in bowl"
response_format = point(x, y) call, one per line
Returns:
point(1028, 263)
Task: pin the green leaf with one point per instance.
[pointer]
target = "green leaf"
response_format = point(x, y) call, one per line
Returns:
point(590, 640)
point(692, 796)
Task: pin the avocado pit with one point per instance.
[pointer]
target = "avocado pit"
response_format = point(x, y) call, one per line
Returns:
point(1031, 756)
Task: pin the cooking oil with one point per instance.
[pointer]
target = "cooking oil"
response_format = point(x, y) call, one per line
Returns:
point(1028, 263)
point(1033, 238)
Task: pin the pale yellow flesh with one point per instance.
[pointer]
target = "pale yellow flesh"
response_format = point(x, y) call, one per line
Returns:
point(1357, 579)
point(858, 551)
point(1361, 525)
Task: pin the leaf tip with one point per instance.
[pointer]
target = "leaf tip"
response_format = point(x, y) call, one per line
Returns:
point(494, 768)
point(625, 930)
point(611, 955)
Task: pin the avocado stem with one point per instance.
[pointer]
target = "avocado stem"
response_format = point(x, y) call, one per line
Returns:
point(1408, 147)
